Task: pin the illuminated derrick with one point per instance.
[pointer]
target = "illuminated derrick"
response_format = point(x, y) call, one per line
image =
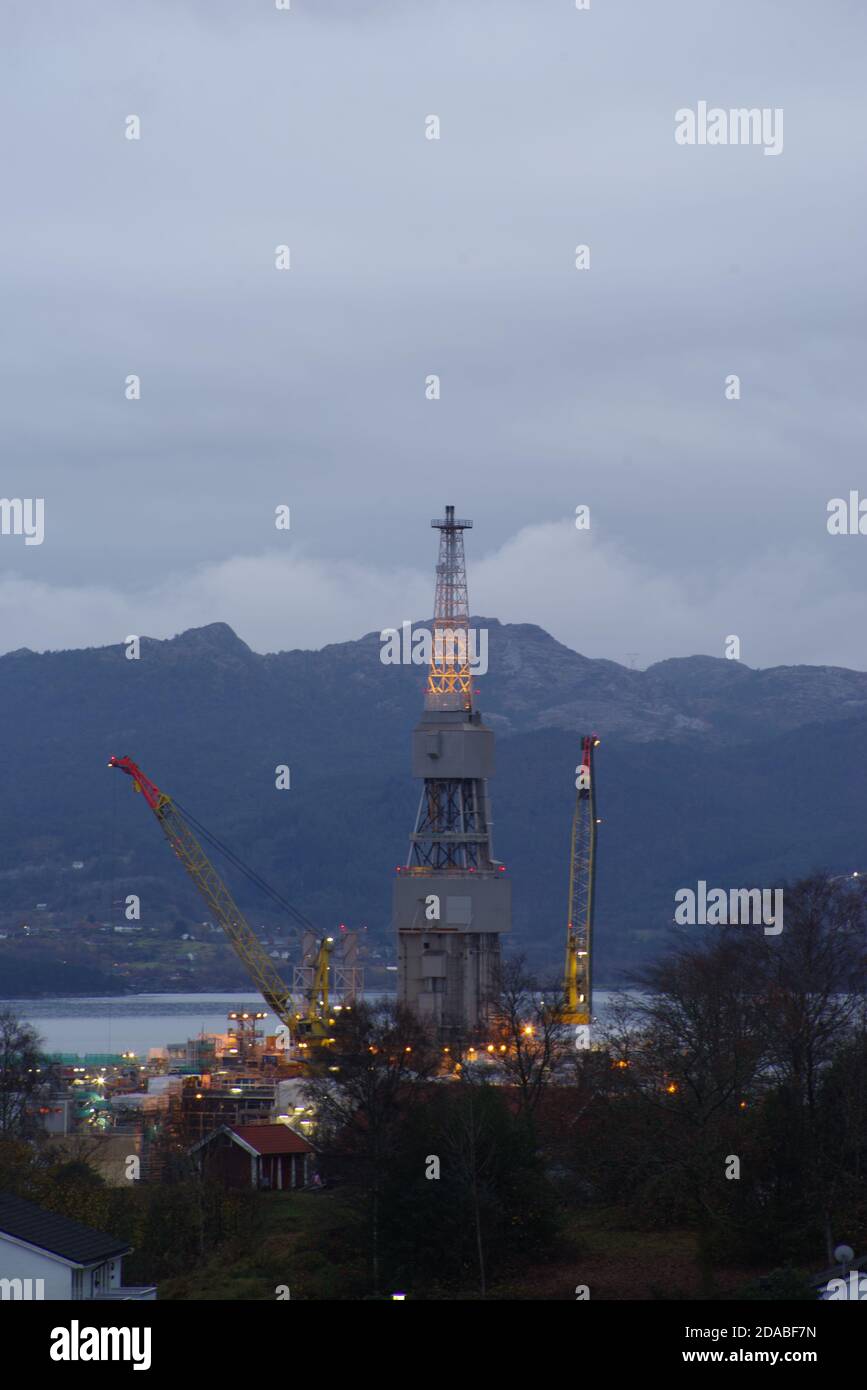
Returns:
point(582, 874)
point(452, 829)
point(449, 682)
point(451, 899)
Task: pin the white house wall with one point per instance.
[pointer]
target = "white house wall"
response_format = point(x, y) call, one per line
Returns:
point(18, 1262)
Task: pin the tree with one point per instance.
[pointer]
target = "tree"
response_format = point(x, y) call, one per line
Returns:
point(471, 1145)
point(741, 1061)
point(529, 1024)
point(466, 1198)
point(812, 980)
point(694, 1043)
point(22, 1074)
point(363, 1087)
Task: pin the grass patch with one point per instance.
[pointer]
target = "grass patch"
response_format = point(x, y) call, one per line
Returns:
point(308, 1242)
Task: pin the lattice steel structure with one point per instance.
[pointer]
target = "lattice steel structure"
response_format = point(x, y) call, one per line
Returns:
point(449, 682)
point(452, 829)
point(451, 898)
point(347, 976)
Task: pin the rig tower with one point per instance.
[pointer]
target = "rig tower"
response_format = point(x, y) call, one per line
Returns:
point(452, 899)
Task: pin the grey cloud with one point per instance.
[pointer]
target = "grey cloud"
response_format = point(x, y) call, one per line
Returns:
point(453, 257)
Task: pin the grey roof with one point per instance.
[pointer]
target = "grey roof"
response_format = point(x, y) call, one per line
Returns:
point(57, 1234)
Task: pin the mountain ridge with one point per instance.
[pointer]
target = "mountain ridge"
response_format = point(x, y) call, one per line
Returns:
point(701, 773)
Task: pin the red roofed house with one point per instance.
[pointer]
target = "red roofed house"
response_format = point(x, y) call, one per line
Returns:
point(262, 1156)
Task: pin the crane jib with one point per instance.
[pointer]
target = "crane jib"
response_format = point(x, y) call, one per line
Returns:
point(313, 1023)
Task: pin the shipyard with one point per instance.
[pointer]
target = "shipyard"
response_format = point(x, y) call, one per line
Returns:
point(365, 1054)
point(433, 863)
point(451, 906)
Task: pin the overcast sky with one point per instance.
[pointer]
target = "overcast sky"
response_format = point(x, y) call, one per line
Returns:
point(411, 257)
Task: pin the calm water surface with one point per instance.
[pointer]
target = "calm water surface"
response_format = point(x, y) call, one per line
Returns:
point(135, 1022)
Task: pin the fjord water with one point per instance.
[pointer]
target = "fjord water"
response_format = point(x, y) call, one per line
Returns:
point(136, 1022)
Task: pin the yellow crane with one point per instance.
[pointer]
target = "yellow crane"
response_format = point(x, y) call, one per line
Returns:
point(314, 1025)
point(578, 983)
point(317, 1020)
point(319, 993)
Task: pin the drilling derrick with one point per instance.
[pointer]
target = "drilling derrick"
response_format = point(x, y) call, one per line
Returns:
point(451, 898)
point(449, 682)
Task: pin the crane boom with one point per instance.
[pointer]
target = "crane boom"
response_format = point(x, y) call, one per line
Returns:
point(243, 939)
point(578, 985)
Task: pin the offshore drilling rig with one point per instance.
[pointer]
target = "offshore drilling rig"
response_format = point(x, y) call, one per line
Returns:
point(451, 899)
